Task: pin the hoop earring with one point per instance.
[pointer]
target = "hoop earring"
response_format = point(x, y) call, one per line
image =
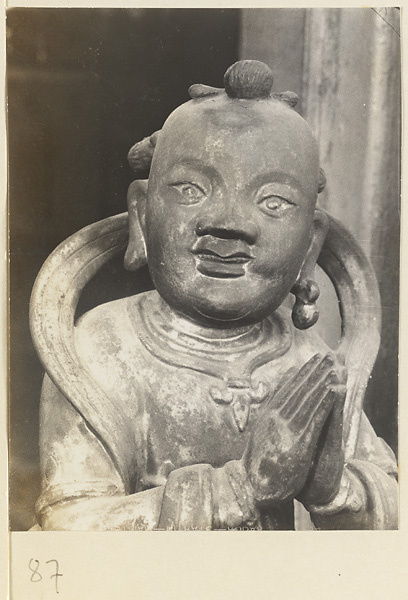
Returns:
point(305, 312)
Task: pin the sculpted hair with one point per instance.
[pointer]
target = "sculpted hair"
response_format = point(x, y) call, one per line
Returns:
point(244, 80)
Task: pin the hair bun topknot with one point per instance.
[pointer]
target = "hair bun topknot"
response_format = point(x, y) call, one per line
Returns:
point(248, 79)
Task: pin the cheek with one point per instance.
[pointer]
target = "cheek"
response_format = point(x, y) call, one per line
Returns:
point(282, 247)
point(161, 224)
point(169, 236)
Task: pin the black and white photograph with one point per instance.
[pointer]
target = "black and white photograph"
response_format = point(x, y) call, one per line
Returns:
point(204, 272)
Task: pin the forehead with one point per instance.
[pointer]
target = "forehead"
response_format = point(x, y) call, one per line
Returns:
point(242, 138)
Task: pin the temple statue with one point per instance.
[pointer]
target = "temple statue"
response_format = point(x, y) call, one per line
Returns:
point(210, 402)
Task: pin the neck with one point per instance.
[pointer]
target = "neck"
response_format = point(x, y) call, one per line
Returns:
point(186, 326)
point(232, 353)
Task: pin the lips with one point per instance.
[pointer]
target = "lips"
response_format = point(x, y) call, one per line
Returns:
point(225, 258)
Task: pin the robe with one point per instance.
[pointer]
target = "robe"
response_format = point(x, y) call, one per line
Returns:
point(183, 401)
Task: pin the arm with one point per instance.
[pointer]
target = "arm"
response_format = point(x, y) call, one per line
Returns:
point(82, 490)
point(368, 494)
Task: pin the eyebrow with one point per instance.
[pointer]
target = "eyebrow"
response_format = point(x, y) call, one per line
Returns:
point(196, 164)
point(275, 177)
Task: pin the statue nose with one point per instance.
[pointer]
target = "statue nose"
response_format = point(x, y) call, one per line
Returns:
point(227, 229)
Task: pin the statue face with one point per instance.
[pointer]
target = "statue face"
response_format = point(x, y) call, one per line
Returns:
point(231, 199)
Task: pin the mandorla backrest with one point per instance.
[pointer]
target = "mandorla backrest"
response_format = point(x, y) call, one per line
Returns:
point(356, 286)
point(74, 262)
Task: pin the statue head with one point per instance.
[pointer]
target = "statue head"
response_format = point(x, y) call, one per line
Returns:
point(228, 214)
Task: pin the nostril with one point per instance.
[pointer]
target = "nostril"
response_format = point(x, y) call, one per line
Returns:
point(248, 233)
point(200, 229)
point(224, 234)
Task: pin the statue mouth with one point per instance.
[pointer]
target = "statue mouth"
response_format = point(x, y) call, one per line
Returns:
point(221, 258)
point(235, 258)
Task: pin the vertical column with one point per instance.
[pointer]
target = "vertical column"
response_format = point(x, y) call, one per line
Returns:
point(352, 100)
point(321, 75)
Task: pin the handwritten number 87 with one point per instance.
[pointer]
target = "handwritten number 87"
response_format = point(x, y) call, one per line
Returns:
point(36, 576)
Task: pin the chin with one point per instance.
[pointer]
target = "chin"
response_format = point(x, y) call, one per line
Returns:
point(240, 302)
point(229, 315)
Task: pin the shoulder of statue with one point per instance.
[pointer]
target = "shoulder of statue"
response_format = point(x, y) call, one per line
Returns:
point(305, 342)
point(106, 326)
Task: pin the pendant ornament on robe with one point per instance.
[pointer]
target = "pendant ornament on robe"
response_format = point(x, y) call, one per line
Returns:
point(240, 394)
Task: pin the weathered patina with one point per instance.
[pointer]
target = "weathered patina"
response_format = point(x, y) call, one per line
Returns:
point(206, 403)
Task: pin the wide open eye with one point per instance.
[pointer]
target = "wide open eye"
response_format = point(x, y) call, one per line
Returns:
point(274, 206)
point(190, 193)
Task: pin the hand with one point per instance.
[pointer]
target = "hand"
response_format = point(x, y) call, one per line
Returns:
point(282, 445)
point(326, 472)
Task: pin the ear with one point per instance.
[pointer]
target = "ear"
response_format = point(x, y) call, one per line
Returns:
point(306, 290)
point(135, 256)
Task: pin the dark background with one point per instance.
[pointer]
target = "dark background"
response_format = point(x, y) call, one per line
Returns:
point(83, 86)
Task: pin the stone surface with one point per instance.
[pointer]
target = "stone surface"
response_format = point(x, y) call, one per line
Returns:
point(202, 405)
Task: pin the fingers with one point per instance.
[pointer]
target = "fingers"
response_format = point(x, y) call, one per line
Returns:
point(310, 375)
point(335, 419)
point(318, 404)
point(293, 379)
point(342, 375)
point(283, 391)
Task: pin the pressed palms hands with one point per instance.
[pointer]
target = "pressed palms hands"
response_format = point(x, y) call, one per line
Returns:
point(295, 449)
